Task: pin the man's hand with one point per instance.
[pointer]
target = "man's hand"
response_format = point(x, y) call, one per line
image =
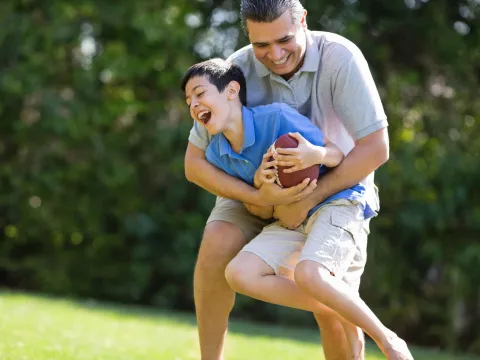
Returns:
point(263, 212)
point(266, 172)
point(272, 194)
point(303, 156)
point(291, 215)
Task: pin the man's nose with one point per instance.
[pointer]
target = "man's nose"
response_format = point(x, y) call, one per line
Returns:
point(276, 53)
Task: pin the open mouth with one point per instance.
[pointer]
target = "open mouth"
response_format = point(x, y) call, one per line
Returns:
point(204, 116)
point(282, 61)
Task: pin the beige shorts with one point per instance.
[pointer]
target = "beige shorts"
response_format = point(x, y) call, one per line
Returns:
point(335, 236)
point(234, 212)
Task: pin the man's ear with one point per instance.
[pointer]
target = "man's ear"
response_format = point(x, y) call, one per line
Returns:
point(233, 89)
point(303, 20)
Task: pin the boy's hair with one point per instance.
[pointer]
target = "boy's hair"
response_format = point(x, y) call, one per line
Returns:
point(219, 72)
point(267, 11)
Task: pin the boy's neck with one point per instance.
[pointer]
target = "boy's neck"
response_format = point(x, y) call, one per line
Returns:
point(235, 131)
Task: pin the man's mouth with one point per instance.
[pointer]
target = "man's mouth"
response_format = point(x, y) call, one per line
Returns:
point(281, 61)
point(204, 116)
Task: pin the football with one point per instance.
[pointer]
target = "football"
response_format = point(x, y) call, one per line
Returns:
point(287, 180)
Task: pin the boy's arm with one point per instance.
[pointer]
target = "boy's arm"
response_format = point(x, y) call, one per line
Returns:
point(308, 154)
point(199, 171)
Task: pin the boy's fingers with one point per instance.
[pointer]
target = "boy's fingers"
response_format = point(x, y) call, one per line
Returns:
point(287, 151)
point(271, 164)
point(286, 163)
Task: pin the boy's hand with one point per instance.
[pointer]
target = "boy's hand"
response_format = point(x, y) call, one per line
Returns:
point(266, 172)
point(303, 156)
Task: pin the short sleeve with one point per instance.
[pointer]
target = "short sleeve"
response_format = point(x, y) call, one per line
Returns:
point(199, 136)
point(293, 121)
point(355, 96)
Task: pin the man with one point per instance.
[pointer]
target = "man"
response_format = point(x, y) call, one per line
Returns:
point(326, 78)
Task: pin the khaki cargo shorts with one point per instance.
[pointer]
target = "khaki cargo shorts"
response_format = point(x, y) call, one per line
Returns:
point(236, 213)
point(335, 236)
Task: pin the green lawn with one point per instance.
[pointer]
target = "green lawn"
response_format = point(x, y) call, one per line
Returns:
point(43, 328)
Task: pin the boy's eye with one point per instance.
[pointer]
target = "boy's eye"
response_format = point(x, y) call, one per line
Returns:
point(201, 93)
point(260, 45)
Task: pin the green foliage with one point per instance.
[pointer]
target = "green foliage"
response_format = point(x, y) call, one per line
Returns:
point(94, 129)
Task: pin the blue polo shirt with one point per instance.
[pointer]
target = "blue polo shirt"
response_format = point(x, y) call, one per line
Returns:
point(262, 126)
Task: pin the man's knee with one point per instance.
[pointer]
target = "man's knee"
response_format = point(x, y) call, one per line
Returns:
point(220, 243)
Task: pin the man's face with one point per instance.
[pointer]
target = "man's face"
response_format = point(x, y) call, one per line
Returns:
point(207, 105)
point(279, 45)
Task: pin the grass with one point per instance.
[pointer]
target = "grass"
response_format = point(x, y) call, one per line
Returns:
point(44, 328)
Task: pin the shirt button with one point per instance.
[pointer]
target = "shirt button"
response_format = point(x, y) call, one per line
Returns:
point(246, 162)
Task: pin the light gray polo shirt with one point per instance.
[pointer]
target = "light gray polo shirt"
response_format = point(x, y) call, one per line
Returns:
point(334, 88)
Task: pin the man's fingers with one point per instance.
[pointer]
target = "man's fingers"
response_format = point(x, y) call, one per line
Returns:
point(308, 189)
point(295, 190)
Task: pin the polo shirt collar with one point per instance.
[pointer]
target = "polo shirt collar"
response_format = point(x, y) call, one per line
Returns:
point(312, 56)
point(310, 63)
point(248, 133)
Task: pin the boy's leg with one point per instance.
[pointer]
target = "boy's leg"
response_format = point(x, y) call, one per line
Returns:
point(264, 271)
point(329, 250)
point(227, 231)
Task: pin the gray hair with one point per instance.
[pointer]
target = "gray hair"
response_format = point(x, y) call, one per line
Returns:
point(269, 10)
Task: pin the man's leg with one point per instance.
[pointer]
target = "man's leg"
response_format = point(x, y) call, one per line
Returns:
point(334, 339)
point(214, 298)
point(227, 231)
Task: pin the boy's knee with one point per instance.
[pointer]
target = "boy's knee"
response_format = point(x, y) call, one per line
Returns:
point(309, 273)
point(237, 276)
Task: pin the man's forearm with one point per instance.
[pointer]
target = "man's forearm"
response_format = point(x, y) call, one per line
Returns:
point(369, 154)
point(219, 183)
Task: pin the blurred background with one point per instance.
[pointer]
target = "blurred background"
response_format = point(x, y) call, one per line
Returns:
point(94, 202)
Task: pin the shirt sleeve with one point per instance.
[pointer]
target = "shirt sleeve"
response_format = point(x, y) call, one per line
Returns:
point(199, 136)
point(293, 121)
point(355, 96)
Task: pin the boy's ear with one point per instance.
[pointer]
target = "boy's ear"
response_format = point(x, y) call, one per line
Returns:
point(233, 89)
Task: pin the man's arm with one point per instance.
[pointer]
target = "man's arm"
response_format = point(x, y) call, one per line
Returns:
point(368, 155)
point(199, 171)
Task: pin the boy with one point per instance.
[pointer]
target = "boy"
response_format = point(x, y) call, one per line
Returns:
point(215, 93)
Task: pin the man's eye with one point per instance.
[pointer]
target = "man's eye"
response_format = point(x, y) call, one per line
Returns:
point(200, 94)
point(261, 45)
point(285, 40)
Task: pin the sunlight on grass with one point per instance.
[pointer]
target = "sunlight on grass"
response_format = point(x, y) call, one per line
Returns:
point(42, 328)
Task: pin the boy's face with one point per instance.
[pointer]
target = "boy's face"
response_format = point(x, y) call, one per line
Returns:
point(279, 45)
point(207, 105)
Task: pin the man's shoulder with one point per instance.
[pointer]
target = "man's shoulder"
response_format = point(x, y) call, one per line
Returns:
point(242, 57)
point(334, 47)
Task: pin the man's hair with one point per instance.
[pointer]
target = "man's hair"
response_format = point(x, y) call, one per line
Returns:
point(220, 73)
point(267, 11)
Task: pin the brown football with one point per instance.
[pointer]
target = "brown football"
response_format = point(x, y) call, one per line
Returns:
point(287, 180)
